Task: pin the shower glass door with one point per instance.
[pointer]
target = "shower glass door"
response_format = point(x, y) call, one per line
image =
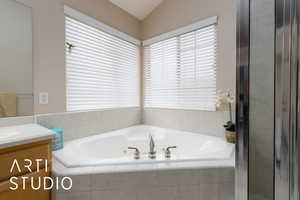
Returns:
point(255, 100)
point(287, 144)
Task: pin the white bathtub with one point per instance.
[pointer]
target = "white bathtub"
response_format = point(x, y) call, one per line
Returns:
point(111, 148)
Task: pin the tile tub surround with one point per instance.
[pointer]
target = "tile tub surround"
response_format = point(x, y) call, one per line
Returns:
point(179, 184)
point(82, 124)
point(204, 122)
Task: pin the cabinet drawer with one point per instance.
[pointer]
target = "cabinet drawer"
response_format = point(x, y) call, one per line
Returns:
point(29, 193)
point(33, 151)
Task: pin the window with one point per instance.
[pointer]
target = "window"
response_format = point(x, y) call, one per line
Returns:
point(180, 72)
point(102, 70)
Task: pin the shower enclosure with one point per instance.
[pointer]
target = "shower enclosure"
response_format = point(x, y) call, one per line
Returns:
point(267, 153)
point(286, 124)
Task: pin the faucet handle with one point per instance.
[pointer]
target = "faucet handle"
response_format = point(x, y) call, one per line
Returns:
point(136, 152)
point(168, 152)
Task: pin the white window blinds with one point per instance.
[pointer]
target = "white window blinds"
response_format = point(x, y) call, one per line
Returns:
point(102, 71)
point(180, 72)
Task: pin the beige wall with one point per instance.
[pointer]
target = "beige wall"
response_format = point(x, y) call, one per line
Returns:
point(49, 43)
point(173, 14)
point(109, 14)
point(49, 53)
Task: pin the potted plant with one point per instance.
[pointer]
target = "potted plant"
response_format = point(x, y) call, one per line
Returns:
point(226, 98)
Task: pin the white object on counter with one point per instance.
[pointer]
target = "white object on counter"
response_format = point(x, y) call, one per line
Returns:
point(17, 135)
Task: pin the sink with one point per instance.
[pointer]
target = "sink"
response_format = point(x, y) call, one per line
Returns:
point(9, 134)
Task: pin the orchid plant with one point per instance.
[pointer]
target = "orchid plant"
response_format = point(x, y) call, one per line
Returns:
point(226, 98)
point(70, 46)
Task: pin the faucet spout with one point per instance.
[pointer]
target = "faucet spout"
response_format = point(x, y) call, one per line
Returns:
point(152, 152)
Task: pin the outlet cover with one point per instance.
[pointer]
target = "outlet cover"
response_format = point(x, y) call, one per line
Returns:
point(43, 98)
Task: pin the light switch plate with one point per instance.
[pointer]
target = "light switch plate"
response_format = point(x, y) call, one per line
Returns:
point(43, 98)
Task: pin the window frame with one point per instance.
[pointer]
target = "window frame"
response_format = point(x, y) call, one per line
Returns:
point(86, 20)
point(177, 34)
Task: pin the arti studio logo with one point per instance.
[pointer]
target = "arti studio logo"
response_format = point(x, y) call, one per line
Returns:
point(37, 182)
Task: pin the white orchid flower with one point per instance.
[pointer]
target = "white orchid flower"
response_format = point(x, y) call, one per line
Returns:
point(225, 98)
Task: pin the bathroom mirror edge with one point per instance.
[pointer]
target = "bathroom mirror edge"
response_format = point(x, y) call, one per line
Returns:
point(17, 93)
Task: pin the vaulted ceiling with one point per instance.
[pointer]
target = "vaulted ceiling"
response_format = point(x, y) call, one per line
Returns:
point(138, 8)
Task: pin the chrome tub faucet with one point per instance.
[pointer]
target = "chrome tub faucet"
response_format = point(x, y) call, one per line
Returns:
point(168, 151)
point(136, 152)
point(152, 152)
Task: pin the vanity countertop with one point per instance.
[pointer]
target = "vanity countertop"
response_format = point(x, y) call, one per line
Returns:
point(23, 134)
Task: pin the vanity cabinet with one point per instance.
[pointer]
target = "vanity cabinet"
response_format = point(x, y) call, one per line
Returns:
point(40, 150)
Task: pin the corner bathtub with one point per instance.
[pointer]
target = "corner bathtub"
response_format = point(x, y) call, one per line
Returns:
point(111, 148)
